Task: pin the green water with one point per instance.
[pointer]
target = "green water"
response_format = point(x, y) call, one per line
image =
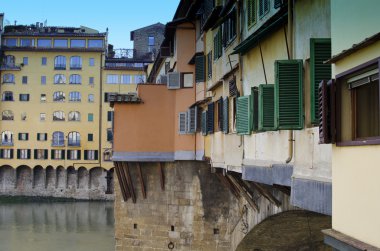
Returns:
point(63, 226)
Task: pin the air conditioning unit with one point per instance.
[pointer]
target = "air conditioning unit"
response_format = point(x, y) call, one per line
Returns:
point(209, 94)
point(174, 80)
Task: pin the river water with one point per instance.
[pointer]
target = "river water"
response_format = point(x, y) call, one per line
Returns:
point(63, 226)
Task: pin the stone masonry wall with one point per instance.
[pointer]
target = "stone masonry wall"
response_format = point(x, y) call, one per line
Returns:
point(140, 42)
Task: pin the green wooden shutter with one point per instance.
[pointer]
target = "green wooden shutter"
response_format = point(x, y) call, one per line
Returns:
point(46, 153)
point(210, 118)
point(244, 115)
point(35, 153)
point(220, 114)
point(29, 154)
point(204, 123)
point(1, 153)
point(79, 154)
point(200, 68)
point(225, 122)
point(320, 51)
point(27, 136)
point(19, 136)
point(11, 155)
point(52, 154)
point(38, 136)
point(85, 154)
point(68, 154)
point(266, 121)
point(251, 12)
point(277, 3)
point(289, 94)
point(18, 153)
point(96, 155)
point(255, 108)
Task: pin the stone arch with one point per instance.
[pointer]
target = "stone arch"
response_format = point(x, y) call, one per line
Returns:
point(23, 178)
point(83, 178)
point(97, 178)
point(71, 177)
point(39, 177)
point(60, 178)
point(50, 177)
point(290, 230)
point(7, 178)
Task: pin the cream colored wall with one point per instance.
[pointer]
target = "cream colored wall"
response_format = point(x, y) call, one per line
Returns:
point(34, 70)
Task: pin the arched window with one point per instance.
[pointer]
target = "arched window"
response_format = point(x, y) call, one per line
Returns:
point(7, 138)
point(7, 115)
point(8, 78)
point(75, 63)
point(59, 79)
point(58, 139)
point(60, 63)
point(58, 116)
point(7, 96)
point(9, 61)
point(59, 96)
point(75, 79)
point(74, 116)
point(74, 96)
point(74, 139)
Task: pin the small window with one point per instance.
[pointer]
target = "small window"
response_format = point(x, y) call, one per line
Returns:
point(60, 43)
point(7, 115)
point(74, 96)
point(58, 116)
point(7, 138)
point(187, 79)
point(43, 98)
point(6, 153)
point(75, 63)
point(23, 153)
point(24, 97)
point(91, 80)
point(58, 154)
point(112, 79)
point(24, 80)
point(109, 116)
point(75, 79)
point(151, 41)
point(109, 134)
point(73, 154)
point(44, 43)
point(42, 136)
point(25, 60)
point(74, 116)
point(26, 42)
point(8, 78)
point(77, 43)
point(10, 42)
point(90, 98)
point(90, 137)
point(59, 79)
point(91, 62)
point(23, 136)
point(59, 96)
point(7, 96)
point(74, 139)
point(95, 43)
point(41, 154)
point(43, 61)
point(23, 116)
point(60, 63)
point(90, 117)
point(58, 139)
point(90, 154)
point(43, 80)
point(125, 79)
point(42, 116)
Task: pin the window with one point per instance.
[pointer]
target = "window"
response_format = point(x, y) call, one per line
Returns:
point(58, 116)
point(74, 139)
point(200, 68)
point(125, 79)
point(24, 80)
point(139, 79)
point(43, 80)
point(218, 47)
point(23, 153)
point(43, 98)
point(74, 116)
point(91, 62)
point(91, 80)
point(43, 61)
point(90, 98)
point(187, 80)
point(26, 42)
point(95, 43)
point(90, 117)
point(6, 153)
point(358, 108)
point(209, 65)
point(60, 63)
point(23, 136)
point(182, 123)
point(77, 43)
point(229, 29)
point(109, 116)
point(74, 97)
point(40, 154)
point(90, 137)
point(10, 42)
point(76, 63)
point(44, 43)
point(7, 96)
point(9, 61)
point(25, 60)
point(59, 79)
point(24, 97)
point(107, 154)
point(57, 154)
point(75, 79)
point(60, 43)
point(59, 96)
point(7, 115)
point(109, 134)
point(41, 136)
point(151, 41)
point(58, 139)
point(251, 12)
point(73, 154)
point(8, 78)
point(90, 154)
point(263, 8)
point(42, 116)
point(7, 138)
point(112, 79)
point(23, 116)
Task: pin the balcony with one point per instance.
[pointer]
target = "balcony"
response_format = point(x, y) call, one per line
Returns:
point(58, 143)
point(74, 143)
point(10, 67)
point(7, 143)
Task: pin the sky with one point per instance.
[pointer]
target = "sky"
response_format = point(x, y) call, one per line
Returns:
point(119, 16)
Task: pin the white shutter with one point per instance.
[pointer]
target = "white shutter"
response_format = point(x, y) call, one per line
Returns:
point(174, 80)
point(182, 123)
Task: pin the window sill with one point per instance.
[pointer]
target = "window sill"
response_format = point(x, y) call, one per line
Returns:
point(373, 141)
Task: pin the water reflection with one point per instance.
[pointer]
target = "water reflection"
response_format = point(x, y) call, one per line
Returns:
point(79, 226)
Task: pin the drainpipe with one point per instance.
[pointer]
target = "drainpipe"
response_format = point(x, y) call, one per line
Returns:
point(290, 49)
